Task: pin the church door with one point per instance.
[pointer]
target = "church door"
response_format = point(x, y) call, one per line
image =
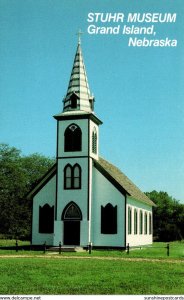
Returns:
point(72, 232)
point(72, 217)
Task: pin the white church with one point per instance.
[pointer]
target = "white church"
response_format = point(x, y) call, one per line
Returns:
point(84, 199)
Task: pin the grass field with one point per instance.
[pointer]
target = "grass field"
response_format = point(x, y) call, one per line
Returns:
point(102, 272)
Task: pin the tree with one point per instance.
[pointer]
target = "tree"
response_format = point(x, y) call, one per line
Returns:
point(18, 174)
point(168, 217)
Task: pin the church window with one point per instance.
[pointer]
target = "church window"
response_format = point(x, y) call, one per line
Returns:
point(129, 220)
point(94, 141)
point(76, 177)
point(68, 177)
point(145, 223)
point(150, 224)
point(73, 138)
point(72, 212)
point(135, 221)
point(73, 103)
point(109, 219)
point(72, 177)
point(46, 219)
point(140, 222)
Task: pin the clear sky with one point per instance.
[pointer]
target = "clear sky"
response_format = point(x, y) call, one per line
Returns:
point(139, 91)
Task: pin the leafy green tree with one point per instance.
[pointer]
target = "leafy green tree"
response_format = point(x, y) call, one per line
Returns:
point(168, 217)
point(18, 174)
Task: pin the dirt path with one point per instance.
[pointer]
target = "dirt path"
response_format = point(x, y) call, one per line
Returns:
point(57, 256)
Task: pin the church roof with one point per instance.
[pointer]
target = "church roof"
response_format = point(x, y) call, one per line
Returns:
point(112, 173)
point(121, 181)
point(78, 87)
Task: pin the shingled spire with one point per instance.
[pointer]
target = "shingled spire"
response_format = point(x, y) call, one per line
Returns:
point(78, 95)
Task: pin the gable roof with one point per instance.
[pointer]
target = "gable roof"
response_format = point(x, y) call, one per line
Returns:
point(121, 181)
point(112, 173)
point(42, 181)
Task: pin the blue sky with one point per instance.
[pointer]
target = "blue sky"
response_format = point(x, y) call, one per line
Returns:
point(139, 92)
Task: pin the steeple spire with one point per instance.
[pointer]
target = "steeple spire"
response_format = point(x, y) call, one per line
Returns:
point(78, 95)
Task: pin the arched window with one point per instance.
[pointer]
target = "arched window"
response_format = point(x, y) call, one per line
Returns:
point(135, 221)
point(140, 222)
point(129, 220)
point(68, 177)
point(72, 177)
point(109, 219)
point(71, 212)
point(94, 141)
point(76, 176)
point(73, 138)
point(145, 223)
point(150, 224)
point(46, 219)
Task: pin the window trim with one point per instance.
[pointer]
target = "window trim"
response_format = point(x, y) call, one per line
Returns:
point(109, 211)
point(43, 219)
point(94, 141)
point(135, 221)
point(145, 223)
point(141, 222)
point(70, 146)
point(129, 220)
point(72, 178)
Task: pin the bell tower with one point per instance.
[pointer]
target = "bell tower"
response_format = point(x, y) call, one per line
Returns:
point(77, 145)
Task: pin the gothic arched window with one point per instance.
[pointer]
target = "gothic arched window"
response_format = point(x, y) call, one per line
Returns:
point(68, 177)
point(72, 177)
point(73, 138)
point(140, 222)
point(71, 212)
point(94, 141)
point(46, 219)
point(109, 219)
point(76, 176)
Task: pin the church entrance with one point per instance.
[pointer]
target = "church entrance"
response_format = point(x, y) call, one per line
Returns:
point(72, 232)
point(71, 216)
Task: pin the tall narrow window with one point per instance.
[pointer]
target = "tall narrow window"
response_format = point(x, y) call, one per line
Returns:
point(109, 219)
point(73, 103)
point(68, 177)
point(73, 100)
point(129, 220)
point(94, 141)
point(135, 221)
point(145, 223)
point(150, 224)
point(140, 222)
point(73, 138)
point(72, 177)
point(76, 177)
point(46, 219)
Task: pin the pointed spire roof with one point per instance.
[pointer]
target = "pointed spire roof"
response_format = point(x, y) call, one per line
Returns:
point(78, 96)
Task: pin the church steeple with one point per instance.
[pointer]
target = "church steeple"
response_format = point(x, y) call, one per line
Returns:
point(78, 96)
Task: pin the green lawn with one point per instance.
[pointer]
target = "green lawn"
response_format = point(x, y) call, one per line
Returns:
point(157, 250)
point(101, 272)
point(49, 275)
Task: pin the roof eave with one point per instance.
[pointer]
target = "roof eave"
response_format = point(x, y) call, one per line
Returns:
point(110, 178)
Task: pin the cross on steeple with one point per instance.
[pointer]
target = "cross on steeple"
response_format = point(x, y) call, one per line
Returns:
point(79, 33)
